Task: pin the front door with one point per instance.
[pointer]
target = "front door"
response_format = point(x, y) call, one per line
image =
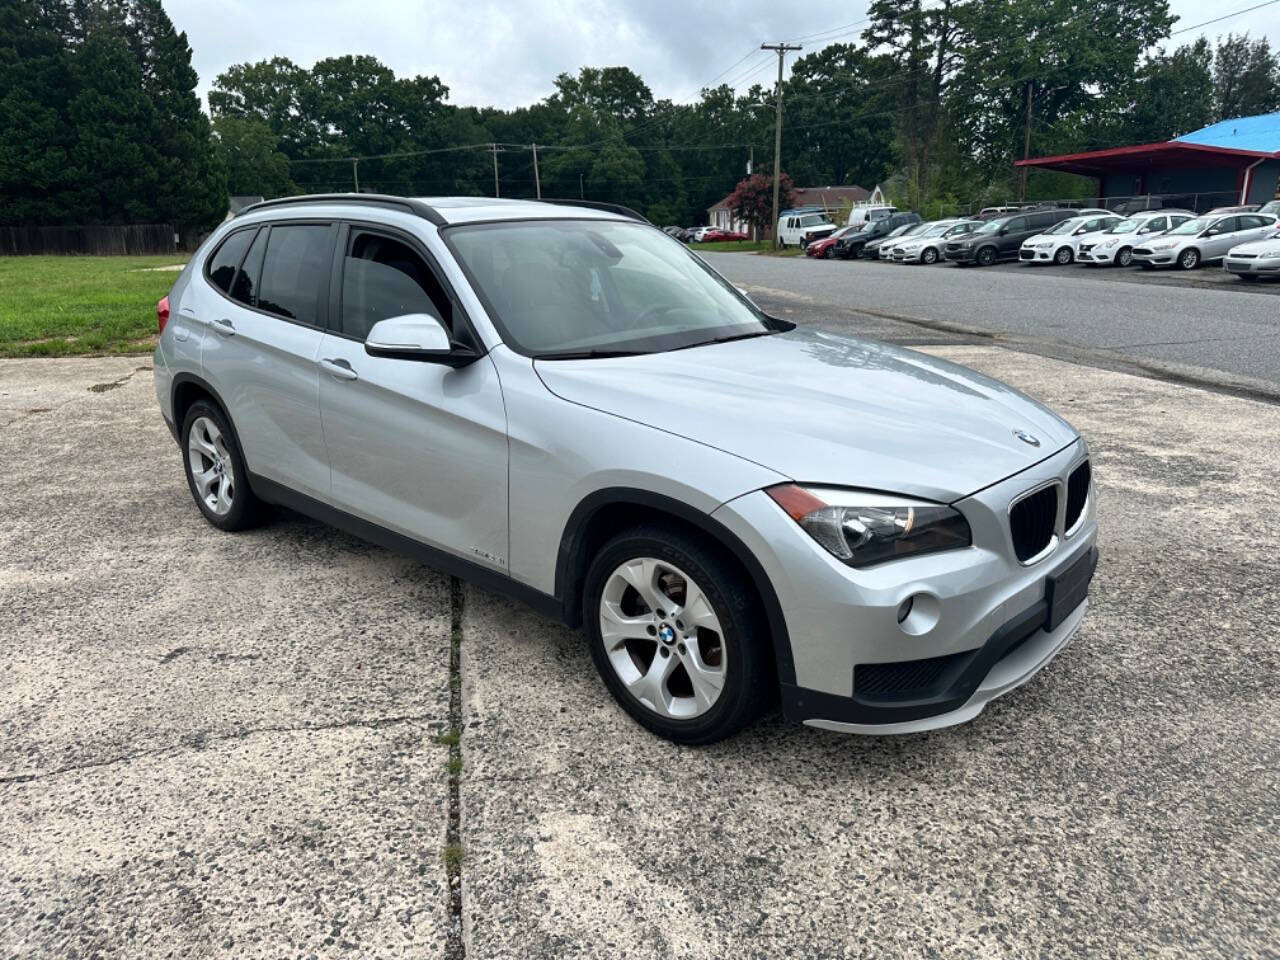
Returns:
point(417, 447)
point(263, 331)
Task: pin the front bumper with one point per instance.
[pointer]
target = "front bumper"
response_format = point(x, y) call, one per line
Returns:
point(1096, 254)
point(1156, 258)
point(1035, 254)
point(1259, 266)
point(982, 634)
point(958, 256)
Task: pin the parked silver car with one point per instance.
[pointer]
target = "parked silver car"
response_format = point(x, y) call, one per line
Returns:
point(562, 403)
point(1201, 240)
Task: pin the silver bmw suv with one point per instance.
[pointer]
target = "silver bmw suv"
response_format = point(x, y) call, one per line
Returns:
point(563, 403)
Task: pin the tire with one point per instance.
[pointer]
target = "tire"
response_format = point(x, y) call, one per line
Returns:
point(826, 254)
point(1189, 259)
point(1063, 256)
point(1124, 257)
point(730, 648)
point(1248, 277)
point(929, 256)
point(220, 487)
point(985, 257)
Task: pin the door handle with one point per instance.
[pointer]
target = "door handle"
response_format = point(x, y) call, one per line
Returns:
point(338, 369)
point(225, 327)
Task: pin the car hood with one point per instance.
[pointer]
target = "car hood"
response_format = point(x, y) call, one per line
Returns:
point(1260, 248)
point(823, 408)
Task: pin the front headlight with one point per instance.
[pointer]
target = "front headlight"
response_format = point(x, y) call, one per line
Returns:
point(1108, 244)
point(862, 528)
point(1167, 245)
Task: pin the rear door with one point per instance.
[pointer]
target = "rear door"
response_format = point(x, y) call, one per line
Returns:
point(264, 333)
point(1255, 227)
point(416, 447)
point(1220, 238)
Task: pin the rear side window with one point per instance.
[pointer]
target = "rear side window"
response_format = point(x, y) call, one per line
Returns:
point(295, 272)
point(226, 259)
point(1252, 222)
point(245, 288)
point(1019, 224)
point(383, 278)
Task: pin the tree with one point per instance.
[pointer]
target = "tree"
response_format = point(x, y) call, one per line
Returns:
point(1169, 98)
point(752, 200)
point(250, 155)
point(1245, 77)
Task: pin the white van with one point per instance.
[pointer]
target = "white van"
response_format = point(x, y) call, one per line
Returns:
point(793, 227)
point(860, 215)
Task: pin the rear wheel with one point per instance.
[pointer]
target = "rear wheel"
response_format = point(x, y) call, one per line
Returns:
point(1189, 259)
point(986, 257)
point(675, 635)
point(216, 472)
point(1124, 257)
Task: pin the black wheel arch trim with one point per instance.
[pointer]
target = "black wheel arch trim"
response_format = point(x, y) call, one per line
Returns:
point(571, 561)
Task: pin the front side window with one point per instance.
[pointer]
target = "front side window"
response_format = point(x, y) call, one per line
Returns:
point(295, 272)
point(226, 259)
point(574, 287)
point(383, 278)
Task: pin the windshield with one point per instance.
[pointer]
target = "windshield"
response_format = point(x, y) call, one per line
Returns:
point(937, 229)
point(1126, 226)
point(598, 287)
point(1063, 226)
point(1191, 226)
point(960, 229)
point(991, 226)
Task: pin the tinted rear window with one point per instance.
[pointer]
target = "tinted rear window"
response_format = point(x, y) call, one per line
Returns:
point(295, 274)
point(225, 260)
point(245, 287)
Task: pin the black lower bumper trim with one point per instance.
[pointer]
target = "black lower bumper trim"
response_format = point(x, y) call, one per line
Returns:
point(952, 688)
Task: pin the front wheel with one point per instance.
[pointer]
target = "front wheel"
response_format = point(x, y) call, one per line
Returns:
point(929, 256)
point(826, 254)
point(675, 635)
point(1248, 277)
point(986, 257)
point(1189, 259)
point(1063, 256)
point(1124, 257)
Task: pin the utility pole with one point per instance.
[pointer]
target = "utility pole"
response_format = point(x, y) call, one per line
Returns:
point(751, 168)
point(581, 195)
point(781, 50)
point(496, 150)
point(1026, 147)
point(537, 182)
point(355, 172)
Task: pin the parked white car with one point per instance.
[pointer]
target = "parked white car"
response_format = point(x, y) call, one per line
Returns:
point(794, 229)
point(1115, 244)
point(869, 214)
point(1261, 258)
point(1060, 242)
point(890, 243)
point(926, 247)
point(1202, 240)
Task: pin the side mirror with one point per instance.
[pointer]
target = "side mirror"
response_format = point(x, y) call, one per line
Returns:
point(415, 336)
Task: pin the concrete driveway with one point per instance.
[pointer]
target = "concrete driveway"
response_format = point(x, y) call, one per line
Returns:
point(216, 745)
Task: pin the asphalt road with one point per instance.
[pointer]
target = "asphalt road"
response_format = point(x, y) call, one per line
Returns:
point(220, 745)
point(1202, 326)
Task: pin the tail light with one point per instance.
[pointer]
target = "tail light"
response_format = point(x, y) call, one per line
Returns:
point(162, 313)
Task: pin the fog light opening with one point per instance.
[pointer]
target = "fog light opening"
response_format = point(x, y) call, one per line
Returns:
point(904, 609)
point(918, 614)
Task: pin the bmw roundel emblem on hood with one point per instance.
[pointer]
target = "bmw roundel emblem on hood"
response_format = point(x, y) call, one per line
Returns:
point(1025, 437)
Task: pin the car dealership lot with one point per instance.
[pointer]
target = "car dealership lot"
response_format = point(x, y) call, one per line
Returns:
point(1202, 324)
point(226, 745)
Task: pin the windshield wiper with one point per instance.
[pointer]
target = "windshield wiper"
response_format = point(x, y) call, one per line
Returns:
point(730, 339)
point(593, 354)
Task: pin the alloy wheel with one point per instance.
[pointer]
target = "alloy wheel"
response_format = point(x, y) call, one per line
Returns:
point(1189, 260)
point(662, 638)
point(1124, 257)
point(211, 466)
point(930, 255)
point(1063, 256)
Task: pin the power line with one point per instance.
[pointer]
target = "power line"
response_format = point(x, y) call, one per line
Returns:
point(1225, 16)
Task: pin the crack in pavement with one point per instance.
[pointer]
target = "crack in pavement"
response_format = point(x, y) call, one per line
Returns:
point(199, 740)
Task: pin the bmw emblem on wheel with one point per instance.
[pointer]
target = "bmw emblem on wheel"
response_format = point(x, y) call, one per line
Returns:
point(1025, 437)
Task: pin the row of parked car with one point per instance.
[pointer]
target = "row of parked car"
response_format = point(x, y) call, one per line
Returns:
point(1245, 239)
point(703, 234)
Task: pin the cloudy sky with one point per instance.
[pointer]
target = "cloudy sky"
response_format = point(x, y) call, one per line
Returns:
point(504, 53)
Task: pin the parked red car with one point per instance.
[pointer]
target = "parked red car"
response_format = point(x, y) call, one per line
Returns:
point(825, 247)
point(718, 236)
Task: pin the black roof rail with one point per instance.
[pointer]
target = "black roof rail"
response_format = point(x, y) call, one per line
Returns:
point(600, 205)
point(407, 204)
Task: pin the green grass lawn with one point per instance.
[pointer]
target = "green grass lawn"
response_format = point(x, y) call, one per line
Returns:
point(59, 306)
point(745, 246)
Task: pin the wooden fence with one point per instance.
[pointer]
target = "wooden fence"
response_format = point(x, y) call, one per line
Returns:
point(158, 238)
